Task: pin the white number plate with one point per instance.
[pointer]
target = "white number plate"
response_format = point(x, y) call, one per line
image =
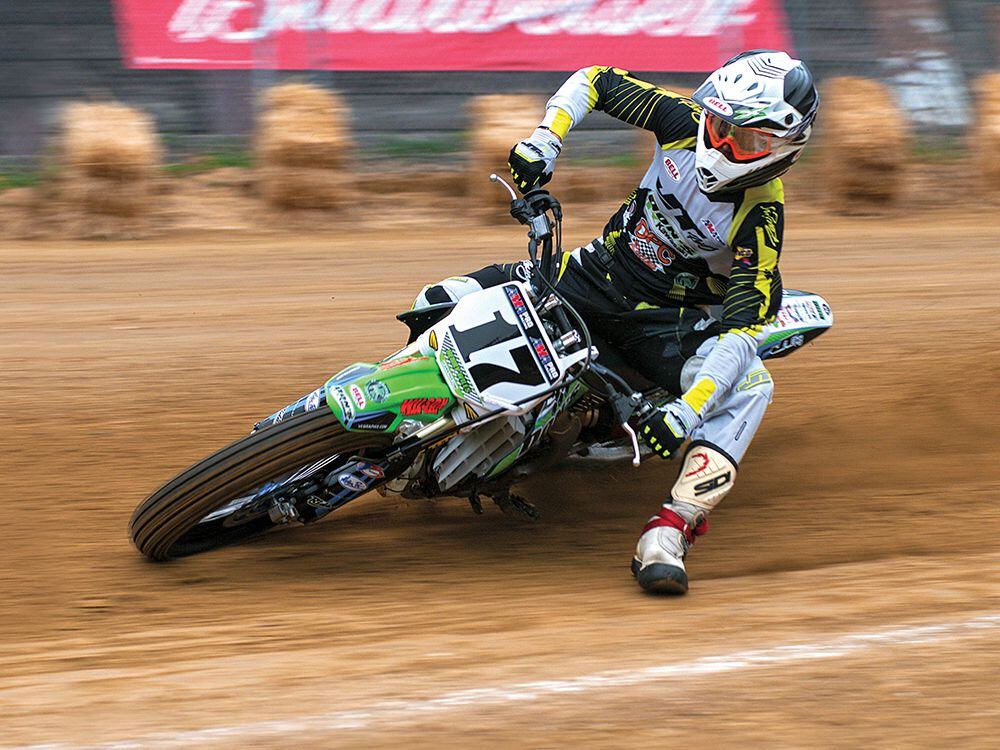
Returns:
point(492, 349)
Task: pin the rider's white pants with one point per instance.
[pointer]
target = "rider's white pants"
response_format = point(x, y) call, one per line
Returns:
point(733, 422)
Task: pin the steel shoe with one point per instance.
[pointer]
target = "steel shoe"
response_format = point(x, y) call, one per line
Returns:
point(658, 564)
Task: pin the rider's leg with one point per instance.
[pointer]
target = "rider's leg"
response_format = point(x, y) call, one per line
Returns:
point(659, 341)
point(584, 286)
point(707, 473)
point(454, 288)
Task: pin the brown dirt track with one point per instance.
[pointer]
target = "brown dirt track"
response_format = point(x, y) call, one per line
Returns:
point(868, 502)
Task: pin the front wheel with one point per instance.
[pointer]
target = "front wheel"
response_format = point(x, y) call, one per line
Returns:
point(216, 501)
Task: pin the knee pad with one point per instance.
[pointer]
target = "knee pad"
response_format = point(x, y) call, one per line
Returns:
point(758, 381)
point(690, 371)
point(450, 290)
point(705, 478)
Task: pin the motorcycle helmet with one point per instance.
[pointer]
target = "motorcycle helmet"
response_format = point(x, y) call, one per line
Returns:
point(757, 115)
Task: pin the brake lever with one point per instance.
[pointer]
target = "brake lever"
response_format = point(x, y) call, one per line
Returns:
point(498, 180)
point(638, 405)
point(636, 456)
point(625, 403)
point(519, 207)
point(625, 408)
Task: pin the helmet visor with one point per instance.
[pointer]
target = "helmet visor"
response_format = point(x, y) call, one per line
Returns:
point(738, 144)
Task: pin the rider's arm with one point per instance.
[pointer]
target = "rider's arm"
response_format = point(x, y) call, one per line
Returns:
point(672, 117)
point(752, 298)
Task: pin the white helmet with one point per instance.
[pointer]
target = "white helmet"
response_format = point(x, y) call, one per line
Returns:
point(757, 114)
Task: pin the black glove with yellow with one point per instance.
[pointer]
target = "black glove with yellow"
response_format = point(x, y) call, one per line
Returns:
point(667, 427)
point(532, 160)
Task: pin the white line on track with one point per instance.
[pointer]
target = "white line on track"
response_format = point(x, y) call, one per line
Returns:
point(400, 711)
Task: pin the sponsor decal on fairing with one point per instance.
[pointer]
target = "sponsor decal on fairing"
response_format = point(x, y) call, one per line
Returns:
point(520, 309)
point(345, 403)
point(377, 391)
point(313, 399)
point(390, 364)
point(453, 369)
point(414, 406)
point(792, 342)
point(358, 396)
point(795, 313)
point(544, 358)
point(378, 421)
point(531, 330)
point(371, 470)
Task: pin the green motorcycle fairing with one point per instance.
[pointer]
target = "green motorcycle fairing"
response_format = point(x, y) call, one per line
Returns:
point(378, 397)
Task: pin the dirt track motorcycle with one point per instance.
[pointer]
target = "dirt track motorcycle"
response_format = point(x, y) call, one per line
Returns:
point(488, 390)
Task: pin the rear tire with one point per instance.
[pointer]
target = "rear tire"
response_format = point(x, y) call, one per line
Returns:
point(161, 524)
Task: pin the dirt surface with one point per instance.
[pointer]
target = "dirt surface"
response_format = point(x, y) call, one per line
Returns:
point(867, 507)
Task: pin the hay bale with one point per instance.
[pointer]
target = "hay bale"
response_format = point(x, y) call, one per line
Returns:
point(498, 121)
point(986, 129)
point(303, 142)
point(108, 196)
point(301, 187)
point(109, 140)
point(864, 143)
point(109, 155)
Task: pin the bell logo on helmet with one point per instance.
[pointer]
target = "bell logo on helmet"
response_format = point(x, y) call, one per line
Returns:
point(718, 105)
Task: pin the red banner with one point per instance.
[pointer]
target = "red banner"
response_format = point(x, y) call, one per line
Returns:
point(658, 35)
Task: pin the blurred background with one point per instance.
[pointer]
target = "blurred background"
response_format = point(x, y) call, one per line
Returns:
point(406, 70)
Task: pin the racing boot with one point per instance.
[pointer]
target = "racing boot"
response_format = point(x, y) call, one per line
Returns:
point(658, 564)
point(706, 475)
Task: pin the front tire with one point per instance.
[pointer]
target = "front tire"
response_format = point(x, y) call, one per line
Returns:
point(164, 525)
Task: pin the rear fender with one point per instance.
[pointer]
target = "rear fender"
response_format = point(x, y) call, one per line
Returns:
point(802, 317)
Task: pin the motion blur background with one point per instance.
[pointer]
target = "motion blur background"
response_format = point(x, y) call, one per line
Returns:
point(199, 65)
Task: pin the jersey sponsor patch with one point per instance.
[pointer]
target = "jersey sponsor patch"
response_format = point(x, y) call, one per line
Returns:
point(686, 280)
point(672, 170)
point(770, 214)
point(671, 221)
point(649, 248)
point(707, 223)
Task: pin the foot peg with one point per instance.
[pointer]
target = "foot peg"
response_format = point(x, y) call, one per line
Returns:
point(515, 506)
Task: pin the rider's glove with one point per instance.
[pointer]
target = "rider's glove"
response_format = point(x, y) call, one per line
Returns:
point(532, 160)
point(667, 427)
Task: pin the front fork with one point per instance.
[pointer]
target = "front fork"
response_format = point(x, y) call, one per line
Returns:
point(330, 488)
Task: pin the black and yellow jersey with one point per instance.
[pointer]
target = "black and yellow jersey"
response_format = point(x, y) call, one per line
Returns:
point(671, 243)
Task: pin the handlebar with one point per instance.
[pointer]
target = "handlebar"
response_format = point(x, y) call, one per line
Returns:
point(532, 211)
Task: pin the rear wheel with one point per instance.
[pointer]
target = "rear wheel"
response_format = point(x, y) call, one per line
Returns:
point(222, 499)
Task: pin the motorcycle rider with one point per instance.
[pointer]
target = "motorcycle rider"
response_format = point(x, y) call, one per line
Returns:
point(685, 273)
